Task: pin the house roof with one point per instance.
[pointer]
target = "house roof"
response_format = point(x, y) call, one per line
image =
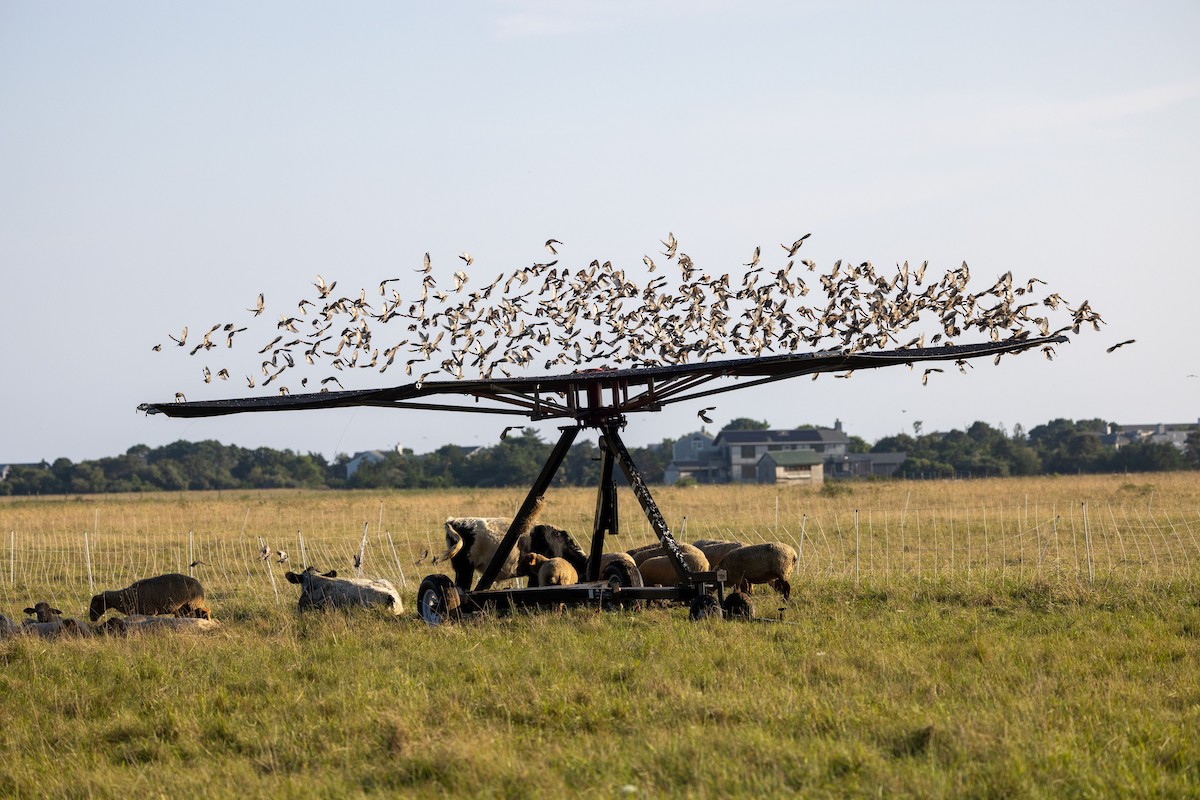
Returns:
point(792, 458)
point(798, 436)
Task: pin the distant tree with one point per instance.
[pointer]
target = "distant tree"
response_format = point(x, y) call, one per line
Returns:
point(858, 444)
point(1192, 449)
point(747, 424)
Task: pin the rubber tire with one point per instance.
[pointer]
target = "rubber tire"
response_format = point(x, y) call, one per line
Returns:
point(705, 606)
point(622, 574)
point(438, 600)
point(738, 605)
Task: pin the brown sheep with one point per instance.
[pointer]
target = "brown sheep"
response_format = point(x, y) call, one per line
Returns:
point(659, 570)
point(771, 563)
point(176, 594)
point(551, 571)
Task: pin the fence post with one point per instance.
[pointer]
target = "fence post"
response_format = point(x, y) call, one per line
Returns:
point(1087, 545)
point(403, 580)
point(87, 552)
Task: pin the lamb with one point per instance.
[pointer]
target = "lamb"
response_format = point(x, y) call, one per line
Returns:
point(771, 563)
point(472, 541)
point(659, 570)
point(48, 622)
point(172, 593)
point(329, 591)
point(551, 571)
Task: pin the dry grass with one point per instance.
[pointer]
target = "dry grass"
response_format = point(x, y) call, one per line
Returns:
point(955, 644)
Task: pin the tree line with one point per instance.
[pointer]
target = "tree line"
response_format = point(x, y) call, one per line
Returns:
point(1060, 446)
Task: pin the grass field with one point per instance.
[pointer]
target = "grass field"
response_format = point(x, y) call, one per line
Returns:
point(991, 638)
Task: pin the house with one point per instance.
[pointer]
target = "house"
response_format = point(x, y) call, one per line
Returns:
point(744, 448)
point(7, 468)
point(1174, 434)
point(792, 467)
point(364, 457)
point(696, 456)
point(864, 465)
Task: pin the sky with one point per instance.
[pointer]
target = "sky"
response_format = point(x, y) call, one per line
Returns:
point(163, 163)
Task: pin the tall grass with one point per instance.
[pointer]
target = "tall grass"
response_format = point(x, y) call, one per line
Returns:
point(954, 643)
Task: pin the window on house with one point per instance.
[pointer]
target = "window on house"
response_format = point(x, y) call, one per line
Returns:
point(749, 472)
point(697, 444)
point(797, 468)
point(748, 451)
point(772, 448)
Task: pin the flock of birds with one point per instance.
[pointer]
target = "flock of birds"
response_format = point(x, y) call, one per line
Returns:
point(551, 317)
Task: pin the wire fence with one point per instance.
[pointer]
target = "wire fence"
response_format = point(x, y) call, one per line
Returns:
point(64, 558)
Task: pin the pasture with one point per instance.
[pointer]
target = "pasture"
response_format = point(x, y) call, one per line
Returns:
point(988, 638)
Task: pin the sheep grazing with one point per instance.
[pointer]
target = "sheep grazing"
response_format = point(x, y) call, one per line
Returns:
point(472, 541)
point(172, 593)
point(551, 571)
point(327, 590)
point(771, 563)
point(716, 549)
point(138, 623)
point(624, 558)
point(660, 571)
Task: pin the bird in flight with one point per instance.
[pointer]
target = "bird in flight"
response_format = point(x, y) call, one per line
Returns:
point(550, 246)
point(504, 433)
point(1120, 344)
point(703, 414)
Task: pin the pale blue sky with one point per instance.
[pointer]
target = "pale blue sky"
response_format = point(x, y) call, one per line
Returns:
point(161, 164)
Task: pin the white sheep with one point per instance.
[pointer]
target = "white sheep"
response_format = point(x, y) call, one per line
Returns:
point(659, 570)
point(48, 622)
point(771, 563)
point(716, 549)
point(145, 623)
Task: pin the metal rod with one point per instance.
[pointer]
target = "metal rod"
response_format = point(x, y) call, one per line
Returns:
point(612, 441)
point(535, 493)
point(606, 512)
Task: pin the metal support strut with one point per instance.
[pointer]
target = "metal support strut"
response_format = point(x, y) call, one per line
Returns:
point(611, 441)
point(521, 520)
point(606, 512)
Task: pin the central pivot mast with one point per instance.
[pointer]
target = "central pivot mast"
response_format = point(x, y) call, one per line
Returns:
point(595, 413)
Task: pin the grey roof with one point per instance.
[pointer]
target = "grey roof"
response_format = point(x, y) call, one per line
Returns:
point(798, 436)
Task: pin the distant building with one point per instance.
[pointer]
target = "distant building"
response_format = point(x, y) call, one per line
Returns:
point(364, 457)
point(864, 465)
point(1174, 434)
point(696, 456)
point(793, 467)
point(7, 468)
point(743, 449)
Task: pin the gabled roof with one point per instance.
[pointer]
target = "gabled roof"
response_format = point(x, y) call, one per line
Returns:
point(798, 436)
point(793, 458)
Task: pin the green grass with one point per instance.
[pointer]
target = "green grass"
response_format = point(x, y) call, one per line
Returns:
point(918, 689)
point(943, 640)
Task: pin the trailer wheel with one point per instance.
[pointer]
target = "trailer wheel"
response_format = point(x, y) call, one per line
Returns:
point(738, 606)
point(622, 574)
point(438, 600)
point(705, 606)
